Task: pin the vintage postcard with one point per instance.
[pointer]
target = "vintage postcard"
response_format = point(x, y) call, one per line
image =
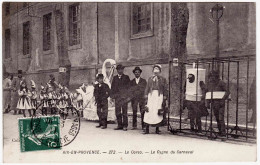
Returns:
point(129, 82)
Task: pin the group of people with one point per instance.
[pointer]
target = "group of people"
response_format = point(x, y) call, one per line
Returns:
point(150, 96)
point(198, 109)
point(53, 97)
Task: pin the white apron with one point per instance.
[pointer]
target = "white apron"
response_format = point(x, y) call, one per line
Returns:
point(154, 103)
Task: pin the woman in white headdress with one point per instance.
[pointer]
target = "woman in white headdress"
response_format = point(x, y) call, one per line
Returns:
point(24, 102)
point(156, 95)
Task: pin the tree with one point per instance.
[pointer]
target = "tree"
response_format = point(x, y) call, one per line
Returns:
point(179, 27)
point(62, 46)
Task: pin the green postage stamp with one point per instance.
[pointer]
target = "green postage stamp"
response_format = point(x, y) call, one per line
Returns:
point(39, 133)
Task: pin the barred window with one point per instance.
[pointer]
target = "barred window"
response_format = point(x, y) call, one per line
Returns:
point(26, 38)
point(47, 31)
point(74, 24)
point(7, 8)
point(141, 18)
point(7, 43)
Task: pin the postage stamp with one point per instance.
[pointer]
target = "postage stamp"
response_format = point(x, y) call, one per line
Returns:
point(40, 133)
point(69, 126)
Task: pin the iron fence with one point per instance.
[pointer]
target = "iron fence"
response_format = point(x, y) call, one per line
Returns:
point(237, 125)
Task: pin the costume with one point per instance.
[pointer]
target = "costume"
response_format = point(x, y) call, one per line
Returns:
point(34, 97)
point(24, 102)
point(62, 103)
point(44, 100)
point(156, 93)
point(218, 105)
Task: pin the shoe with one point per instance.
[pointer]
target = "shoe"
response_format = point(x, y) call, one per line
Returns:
point(118, 128)
point(145, 132)
point(222, 134)
point(103, 127)
point(98, 126)
point(199, 133)
point(157, 131)
point(125, 129)
point(134, 128)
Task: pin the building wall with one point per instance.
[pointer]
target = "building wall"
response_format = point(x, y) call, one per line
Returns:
point(106, 33)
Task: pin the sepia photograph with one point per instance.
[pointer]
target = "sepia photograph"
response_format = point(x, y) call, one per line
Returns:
point(129, 82)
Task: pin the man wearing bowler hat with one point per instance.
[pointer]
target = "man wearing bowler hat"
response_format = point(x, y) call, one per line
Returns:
point(137, 86)
point(119, 90)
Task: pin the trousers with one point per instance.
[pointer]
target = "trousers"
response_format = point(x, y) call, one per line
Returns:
point(121, 114)
point(102, 112)
point(135, 103)
point(219, 113)
point(194, 114)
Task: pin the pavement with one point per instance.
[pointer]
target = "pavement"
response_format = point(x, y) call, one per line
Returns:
point(107, 145)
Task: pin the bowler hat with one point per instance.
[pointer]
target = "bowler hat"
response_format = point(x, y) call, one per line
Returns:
point(137, 68)
point(20, 72)
point(120, 66)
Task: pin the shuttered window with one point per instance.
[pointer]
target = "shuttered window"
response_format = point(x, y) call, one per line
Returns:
point(141, 18)
point(74, 24)
point(26, 38)
point(7, 43)
point(47, 19)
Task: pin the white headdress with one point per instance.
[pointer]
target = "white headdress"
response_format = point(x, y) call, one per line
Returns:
point(33, 84)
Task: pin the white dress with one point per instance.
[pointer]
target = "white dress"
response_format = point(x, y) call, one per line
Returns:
point(154, 104)
point(24, 101)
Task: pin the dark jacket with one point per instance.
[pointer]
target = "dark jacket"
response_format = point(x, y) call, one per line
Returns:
point(162, 83)
point(119, 87)
point(137, 90)
point(101, 93)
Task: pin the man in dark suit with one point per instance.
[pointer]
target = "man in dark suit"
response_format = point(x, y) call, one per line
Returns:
point(137, 86)
point(101, 93)
point(119, 88)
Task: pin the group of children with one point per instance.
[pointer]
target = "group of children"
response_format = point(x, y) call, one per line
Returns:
point(50, 98)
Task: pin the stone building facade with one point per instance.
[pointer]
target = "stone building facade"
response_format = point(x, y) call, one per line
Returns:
point(131, 33)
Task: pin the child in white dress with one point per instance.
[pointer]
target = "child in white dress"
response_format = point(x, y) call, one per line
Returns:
point(24, 102)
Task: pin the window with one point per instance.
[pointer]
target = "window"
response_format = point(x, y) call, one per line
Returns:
point(47, 32)
point(7, 43)
point(74, 24)
point(7, 8)
point(26, 38)
point(142, 19)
